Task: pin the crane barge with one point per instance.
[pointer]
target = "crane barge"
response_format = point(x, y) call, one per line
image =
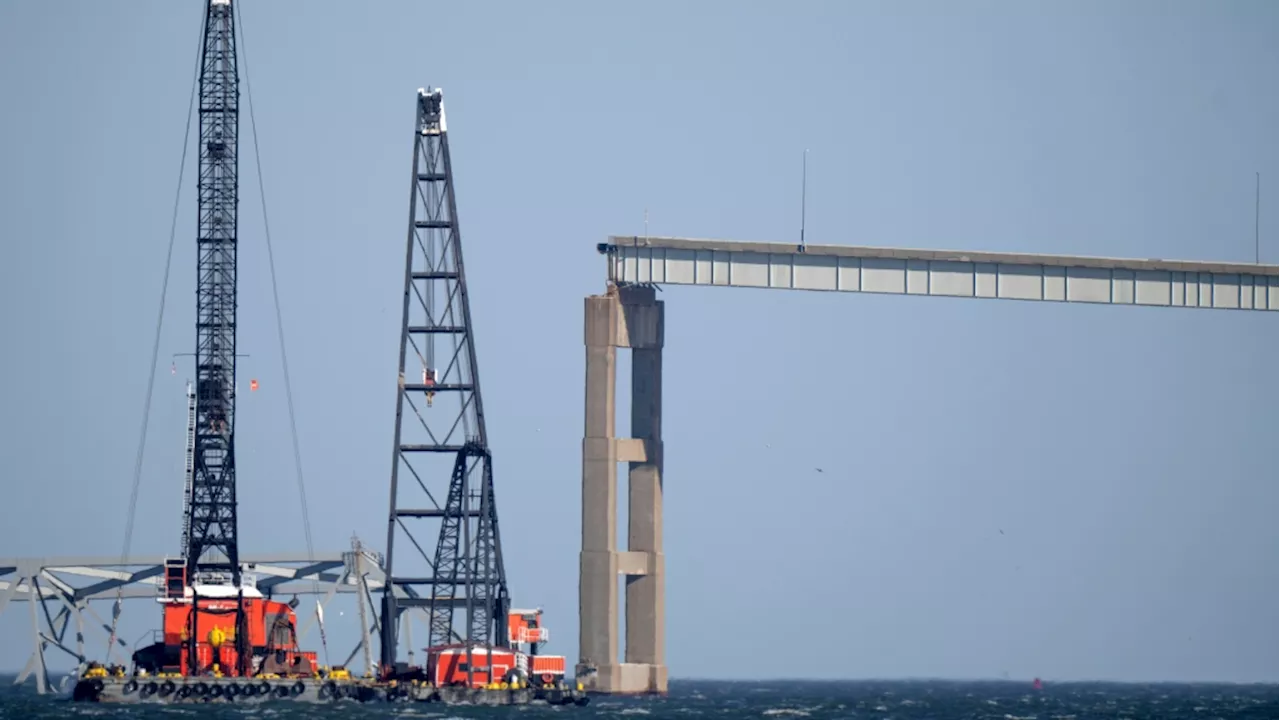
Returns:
point(222, 640)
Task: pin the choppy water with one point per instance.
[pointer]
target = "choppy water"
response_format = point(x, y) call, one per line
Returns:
point(711, 700)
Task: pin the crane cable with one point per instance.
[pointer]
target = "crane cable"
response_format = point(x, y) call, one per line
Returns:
point(275, 293)
point(155, 346)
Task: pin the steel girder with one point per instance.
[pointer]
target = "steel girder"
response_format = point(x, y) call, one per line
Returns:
point(59, 592)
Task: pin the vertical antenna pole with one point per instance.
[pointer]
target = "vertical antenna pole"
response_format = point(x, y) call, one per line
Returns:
point(804, 181)
point(1257, 201)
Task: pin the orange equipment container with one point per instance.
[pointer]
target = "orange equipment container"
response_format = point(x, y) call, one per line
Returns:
point(547, 667)
point(447, 665)
point(271, 627)
point(220, 613)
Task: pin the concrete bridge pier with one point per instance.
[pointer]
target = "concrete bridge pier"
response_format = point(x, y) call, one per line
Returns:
point(625, 317)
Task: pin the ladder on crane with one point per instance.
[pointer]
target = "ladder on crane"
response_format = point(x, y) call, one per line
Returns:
point(189, 475)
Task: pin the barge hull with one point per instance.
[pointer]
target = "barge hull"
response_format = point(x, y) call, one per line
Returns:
point(169, 691)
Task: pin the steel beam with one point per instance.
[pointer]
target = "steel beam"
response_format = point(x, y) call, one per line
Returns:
point(102, 561)
point(948, 273)
point(73, 582)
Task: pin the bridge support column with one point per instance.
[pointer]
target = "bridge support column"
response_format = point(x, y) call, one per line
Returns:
point(627, 317)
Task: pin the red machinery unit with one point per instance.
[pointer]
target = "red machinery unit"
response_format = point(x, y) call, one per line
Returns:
point(272, 630)
point(447, 665)
point(546, 669)
point(525, 626)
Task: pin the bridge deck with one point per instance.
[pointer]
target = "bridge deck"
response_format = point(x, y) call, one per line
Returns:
point(1012, 276)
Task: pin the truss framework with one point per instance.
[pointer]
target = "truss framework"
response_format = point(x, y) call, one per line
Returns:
point(478, 572)
point(60, 593)
point(211, 523)
point(440, 449)
point(946, 273)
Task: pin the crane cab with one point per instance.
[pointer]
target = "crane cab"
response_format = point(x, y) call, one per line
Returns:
point(525, 626)
point(207, 607)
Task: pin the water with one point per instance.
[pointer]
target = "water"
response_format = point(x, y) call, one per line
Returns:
point(711, 700)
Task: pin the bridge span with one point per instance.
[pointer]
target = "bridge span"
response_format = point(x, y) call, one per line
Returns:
point(629, 316)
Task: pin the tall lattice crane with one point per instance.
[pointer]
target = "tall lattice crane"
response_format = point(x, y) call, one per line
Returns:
point(439, 386)
point(212, 549)
point(216, 619)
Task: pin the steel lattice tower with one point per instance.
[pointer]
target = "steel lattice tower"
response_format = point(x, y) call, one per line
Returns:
point(212, 542)
point(442, 434)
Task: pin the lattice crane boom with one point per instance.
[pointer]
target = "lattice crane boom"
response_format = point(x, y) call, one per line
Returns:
point(212, 537)
point(213, 504)
point(440, 444)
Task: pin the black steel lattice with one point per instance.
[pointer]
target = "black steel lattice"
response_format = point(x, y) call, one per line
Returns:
point(488, 602)
point(213, 501)
point(212, 540)
point(440, 430)
point(478, 571)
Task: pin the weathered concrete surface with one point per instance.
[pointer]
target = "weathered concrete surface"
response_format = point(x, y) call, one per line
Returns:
point(623, 318)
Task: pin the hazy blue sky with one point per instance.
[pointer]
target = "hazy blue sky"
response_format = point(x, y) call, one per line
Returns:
point(1129, 455)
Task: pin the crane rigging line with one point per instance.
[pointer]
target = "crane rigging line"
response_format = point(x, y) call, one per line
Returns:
point(275, 294)
point(155, 346)
point(146, 415)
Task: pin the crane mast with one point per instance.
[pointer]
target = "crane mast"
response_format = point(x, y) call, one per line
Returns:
point(440, 417)
point(213, 502)
point(212, 550)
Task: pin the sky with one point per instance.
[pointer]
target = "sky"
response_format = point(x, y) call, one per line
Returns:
point(1027, 489)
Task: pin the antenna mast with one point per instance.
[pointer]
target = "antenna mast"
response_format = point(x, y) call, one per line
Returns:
point(804, 183)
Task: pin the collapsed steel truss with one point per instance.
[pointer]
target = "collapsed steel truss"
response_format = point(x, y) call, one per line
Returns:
point(59, 593)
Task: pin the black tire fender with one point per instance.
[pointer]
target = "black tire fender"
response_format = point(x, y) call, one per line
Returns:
point(297, 689)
